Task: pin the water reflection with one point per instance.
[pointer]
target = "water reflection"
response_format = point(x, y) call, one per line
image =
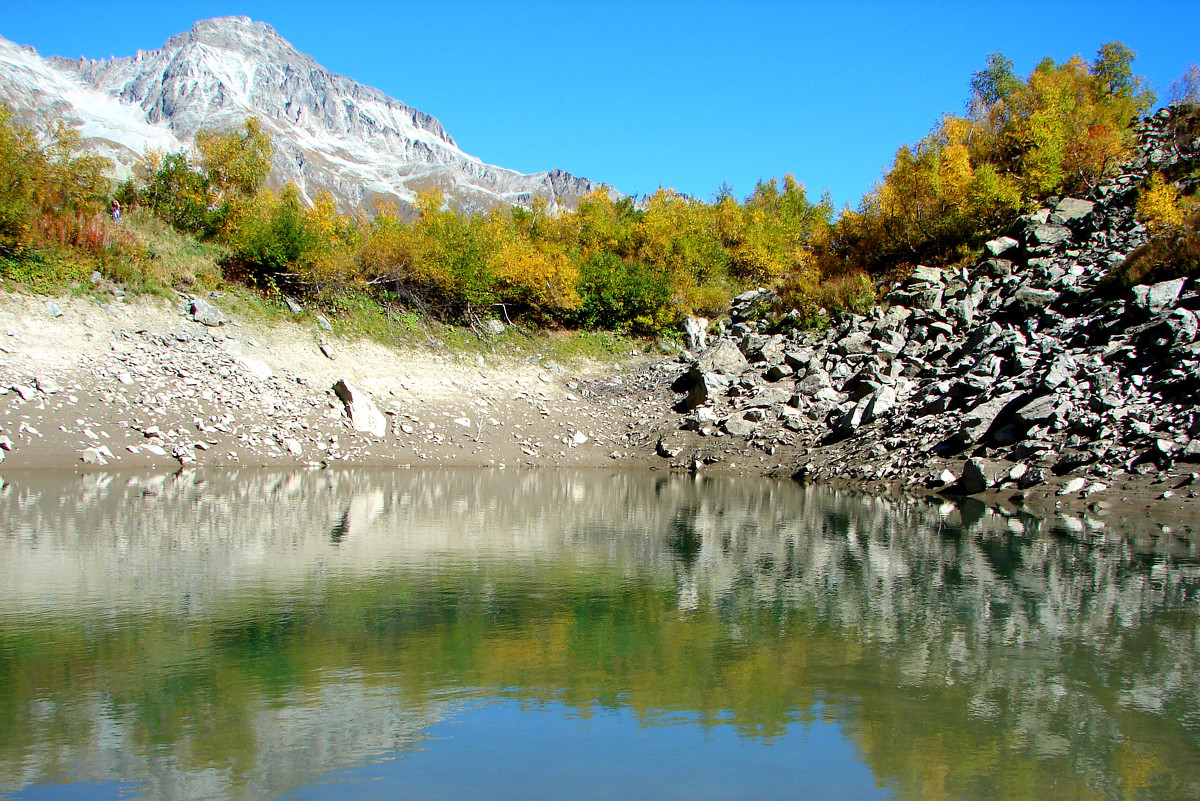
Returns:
point(241, 634)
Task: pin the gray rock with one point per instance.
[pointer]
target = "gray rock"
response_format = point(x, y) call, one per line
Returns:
point(1072, 210)
point(1037, 410)
point(771, 396)
point(723, 357)
point(1157, 297)
point(923, 273)
point(54, 309)
point(323, 323)
point(797, 360)
point(1033, 477)
point(980, 419)
point(814, 382)
point(882, 401)
point(667, 451)
point(979, 475)
point(293, 306)
point(1062, 369)
point(1073, 486)
point(703, 387)
point(1028, 298)
point(363, 413)
point(738, 426)
point(851, 417)
point(205, 313)
point(1050, 234)
point(493, 327)
point(856, 342)
point(1001, 245)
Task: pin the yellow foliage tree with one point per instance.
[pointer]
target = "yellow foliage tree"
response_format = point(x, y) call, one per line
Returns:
point(236, 161)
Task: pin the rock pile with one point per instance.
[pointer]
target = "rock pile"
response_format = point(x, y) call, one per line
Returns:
point(1013, 373)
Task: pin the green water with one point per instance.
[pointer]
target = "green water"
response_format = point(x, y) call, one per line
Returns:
point(500, 634)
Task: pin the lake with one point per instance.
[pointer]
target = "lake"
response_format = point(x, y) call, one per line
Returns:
point(499, 634)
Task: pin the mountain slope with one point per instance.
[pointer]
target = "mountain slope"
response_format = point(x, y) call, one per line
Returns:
point(330, 132)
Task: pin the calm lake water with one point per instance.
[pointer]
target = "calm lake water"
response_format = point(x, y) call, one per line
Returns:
point(583, 635)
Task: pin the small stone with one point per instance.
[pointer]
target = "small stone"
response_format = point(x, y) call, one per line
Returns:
point(1073, 486)
point(1000, 245)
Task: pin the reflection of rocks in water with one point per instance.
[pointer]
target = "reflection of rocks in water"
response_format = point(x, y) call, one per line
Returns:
point(935, 594)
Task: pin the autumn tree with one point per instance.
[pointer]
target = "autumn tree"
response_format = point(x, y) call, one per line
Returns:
point(21, 165)
point(235, 161)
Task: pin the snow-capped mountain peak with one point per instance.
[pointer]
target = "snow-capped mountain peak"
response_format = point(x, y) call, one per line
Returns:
point(330, 132)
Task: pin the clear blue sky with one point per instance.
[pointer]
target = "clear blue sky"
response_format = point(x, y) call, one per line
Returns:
point(680, 94)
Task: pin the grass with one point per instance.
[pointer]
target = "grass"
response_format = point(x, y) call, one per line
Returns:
point(145, 256)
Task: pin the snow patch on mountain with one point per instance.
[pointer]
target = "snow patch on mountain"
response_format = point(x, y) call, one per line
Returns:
point(330, 132)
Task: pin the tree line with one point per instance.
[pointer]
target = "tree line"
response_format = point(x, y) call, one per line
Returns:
point(611, 262)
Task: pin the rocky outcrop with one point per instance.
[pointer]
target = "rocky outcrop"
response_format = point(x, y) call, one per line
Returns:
point(1020, 370)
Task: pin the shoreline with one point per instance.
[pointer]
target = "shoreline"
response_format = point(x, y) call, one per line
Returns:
point(142, 386)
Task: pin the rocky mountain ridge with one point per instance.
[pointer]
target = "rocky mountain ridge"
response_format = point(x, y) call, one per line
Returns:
point(1017, 375)
point(330, 132)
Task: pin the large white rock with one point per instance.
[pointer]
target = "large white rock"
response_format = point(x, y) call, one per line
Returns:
point(364, 414)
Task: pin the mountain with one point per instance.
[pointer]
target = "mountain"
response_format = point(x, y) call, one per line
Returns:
point(330, 132)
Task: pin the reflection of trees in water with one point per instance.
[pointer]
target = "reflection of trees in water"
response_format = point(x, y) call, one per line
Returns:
point(946, 637)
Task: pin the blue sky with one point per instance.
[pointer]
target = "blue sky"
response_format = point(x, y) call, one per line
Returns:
point(677, 94)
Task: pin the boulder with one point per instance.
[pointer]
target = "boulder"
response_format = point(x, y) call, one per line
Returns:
point(738, 425)
point(1050, 234)
point(702, 387)
point(205, 313)
point(979, 475)
point(1028, 298)
point(1072, 210)
point(980, 419)
point(363, 413)
point(814, 382)
point(1157, 297)
point(723, 357)
point(882, 401)
point(1001, 245)
point(853, 343)
point(771, 396)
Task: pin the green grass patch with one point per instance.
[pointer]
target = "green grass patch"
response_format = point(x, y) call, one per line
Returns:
point(43, 271)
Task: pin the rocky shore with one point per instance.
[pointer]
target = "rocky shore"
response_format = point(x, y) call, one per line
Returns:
point(1021, 378)
point(1018, 381)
